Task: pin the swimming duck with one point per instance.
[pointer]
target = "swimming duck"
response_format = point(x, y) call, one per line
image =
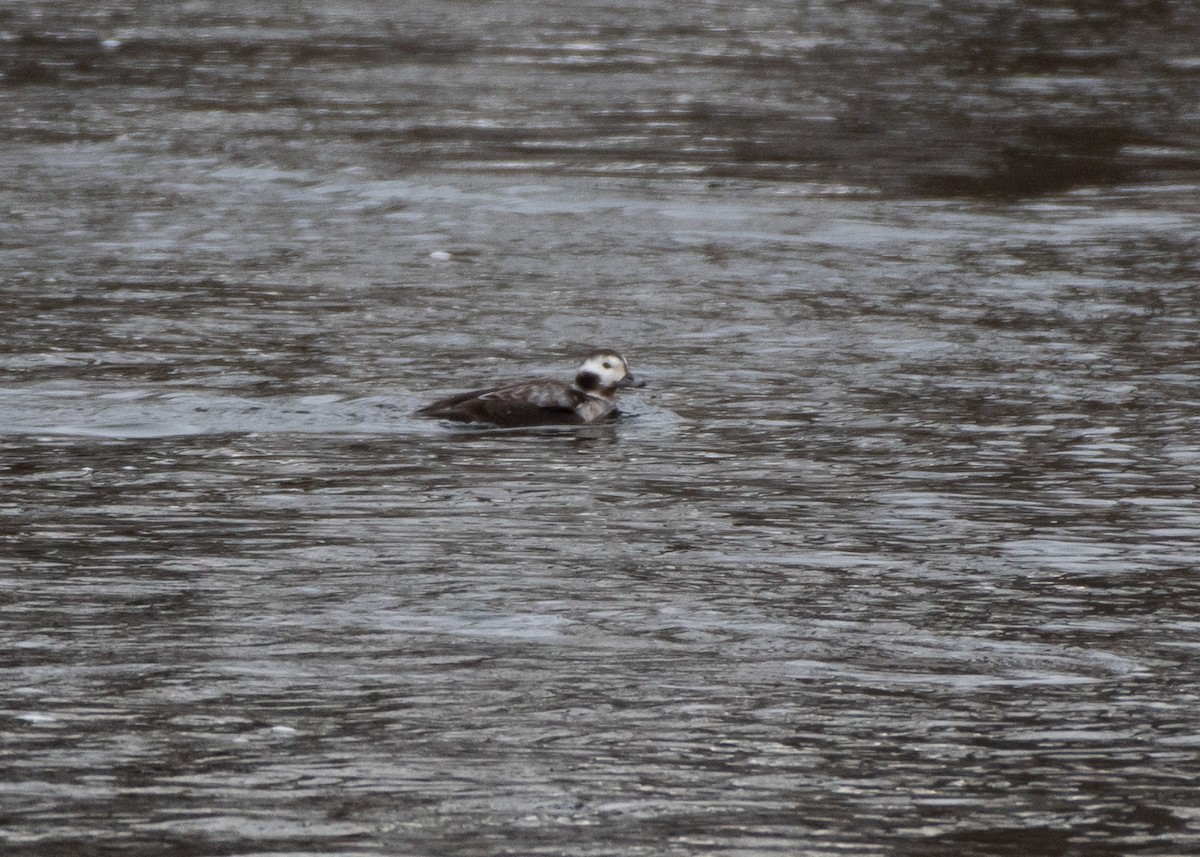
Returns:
point(543, 401)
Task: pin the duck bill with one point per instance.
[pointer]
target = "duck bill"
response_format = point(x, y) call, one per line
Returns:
point(631, 381)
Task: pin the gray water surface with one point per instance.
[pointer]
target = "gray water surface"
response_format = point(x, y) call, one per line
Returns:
point(895, 555)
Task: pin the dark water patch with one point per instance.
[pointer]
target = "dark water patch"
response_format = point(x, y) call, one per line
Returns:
point(1048, 159)
point(1001, 102)
point(40, 57)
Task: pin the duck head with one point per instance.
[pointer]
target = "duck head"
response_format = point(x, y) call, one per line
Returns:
point(603, 372)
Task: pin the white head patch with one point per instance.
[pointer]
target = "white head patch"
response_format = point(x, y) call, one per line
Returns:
point(609, 368)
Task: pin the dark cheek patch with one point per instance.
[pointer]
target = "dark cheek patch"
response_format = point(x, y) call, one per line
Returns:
point(587, 380)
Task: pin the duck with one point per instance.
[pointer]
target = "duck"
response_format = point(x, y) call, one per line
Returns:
point(591, 396)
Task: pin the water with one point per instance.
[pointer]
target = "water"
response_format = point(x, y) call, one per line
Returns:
point(895, 555)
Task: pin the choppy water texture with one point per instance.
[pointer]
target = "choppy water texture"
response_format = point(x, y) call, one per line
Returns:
point(896, 555)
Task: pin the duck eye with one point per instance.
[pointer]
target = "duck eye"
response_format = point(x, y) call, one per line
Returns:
point(607, 365)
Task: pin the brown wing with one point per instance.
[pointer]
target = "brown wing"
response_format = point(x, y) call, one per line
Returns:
point(532, 402)
point(434, 408)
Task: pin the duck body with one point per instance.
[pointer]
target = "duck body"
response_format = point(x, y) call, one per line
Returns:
point(543, 401)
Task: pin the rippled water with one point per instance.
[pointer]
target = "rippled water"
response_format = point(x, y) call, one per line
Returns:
point(895, 555)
